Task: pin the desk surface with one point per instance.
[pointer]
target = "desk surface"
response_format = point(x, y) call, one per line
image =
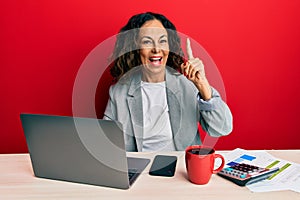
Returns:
point(18, 182)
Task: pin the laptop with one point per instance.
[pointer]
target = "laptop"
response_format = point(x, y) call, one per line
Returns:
point(82, 150)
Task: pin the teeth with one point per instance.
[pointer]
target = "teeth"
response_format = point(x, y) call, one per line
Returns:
point(155, 59)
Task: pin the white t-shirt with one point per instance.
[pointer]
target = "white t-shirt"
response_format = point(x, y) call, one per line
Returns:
point(157, 128)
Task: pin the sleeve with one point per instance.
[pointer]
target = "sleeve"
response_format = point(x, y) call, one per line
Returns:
point(215, 115)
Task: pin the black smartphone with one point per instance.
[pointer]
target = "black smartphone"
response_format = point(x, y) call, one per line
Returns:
point(163, 165)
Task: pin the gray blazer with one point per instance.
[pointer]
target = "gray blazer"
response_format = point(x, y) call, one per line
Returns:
point(186, 109)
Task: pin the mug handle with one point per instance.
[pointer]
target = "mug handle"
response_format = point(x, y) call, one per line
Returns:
point(222, 165)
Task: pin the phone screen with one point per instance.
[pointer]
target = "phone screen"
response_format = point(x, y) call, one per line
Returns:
point(163, 165)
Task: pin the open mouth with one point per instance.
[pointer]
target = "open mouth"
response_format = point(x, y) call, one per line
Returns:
point(155, 60)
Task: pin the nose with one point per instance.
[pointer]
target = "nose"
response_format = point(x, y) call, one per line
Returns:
point(156, 48)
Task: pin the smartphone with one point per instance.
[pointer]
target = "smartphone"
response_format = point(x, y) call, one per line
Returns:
point(163, 165)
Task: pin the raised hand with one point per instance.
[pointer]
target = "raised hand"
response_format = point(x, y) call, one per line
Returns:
point(193, 69)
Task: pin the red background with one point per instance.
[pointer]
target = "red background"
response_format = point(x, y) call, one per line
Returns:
point(255, 45)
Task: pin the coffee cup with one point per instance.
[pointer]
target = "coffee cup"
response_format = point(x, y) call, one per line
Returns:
point(200, 161)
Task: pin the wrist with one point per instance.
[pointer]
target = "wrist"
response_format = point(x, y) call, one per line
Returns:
point(205, 90)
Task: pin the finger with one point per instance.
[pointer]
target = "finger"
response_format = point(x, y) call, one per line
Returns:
point(199, 66)
point(189, 49)
point(182, 66)
point(193, 72)
point(197, 63)
point(194, 69)
point(198, 75)
point(187, 68)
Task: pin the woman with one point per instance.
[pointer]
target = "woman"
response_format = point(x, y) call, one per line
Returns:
point(159, 107)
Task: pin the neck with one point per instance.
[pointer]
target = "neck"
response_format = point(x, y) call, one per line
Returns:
point(153, 78)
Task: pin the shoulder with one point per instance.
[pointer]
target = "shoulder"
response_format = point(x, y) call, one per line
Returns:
point(118, 89)
point(128, 81)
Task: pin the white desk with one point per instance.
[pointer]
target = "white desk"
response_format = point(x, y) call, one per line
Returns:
point(17, 182)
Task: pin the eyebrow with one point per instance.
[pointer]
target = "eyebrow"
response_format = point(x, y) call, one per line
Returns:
point(151, 37)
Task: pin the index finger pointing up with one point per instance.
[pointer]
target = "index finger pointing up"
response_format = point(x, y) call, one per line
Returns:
point(189, 49)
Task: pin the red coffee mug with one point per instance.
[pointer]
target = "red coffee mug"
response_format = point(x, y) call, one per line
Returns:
point(200, 162)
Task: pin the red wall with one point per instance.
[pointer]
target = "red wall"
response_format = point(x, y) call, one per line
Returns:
point(255, 45)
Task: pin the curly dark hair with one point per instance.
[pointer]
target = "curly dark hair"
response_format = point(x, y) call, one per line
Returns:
point(126, 52)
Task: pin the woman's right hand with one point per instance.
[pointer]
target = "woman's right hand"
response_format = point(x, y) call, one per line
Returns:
point(193, 69)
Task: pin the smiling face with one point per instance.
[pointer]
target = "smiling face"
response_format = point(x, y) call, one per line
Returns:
point(154, 50)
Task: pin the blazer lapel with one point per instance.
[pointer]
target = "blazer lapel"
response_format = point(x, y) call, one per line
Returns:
point(134, 101)
point(174, 98)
